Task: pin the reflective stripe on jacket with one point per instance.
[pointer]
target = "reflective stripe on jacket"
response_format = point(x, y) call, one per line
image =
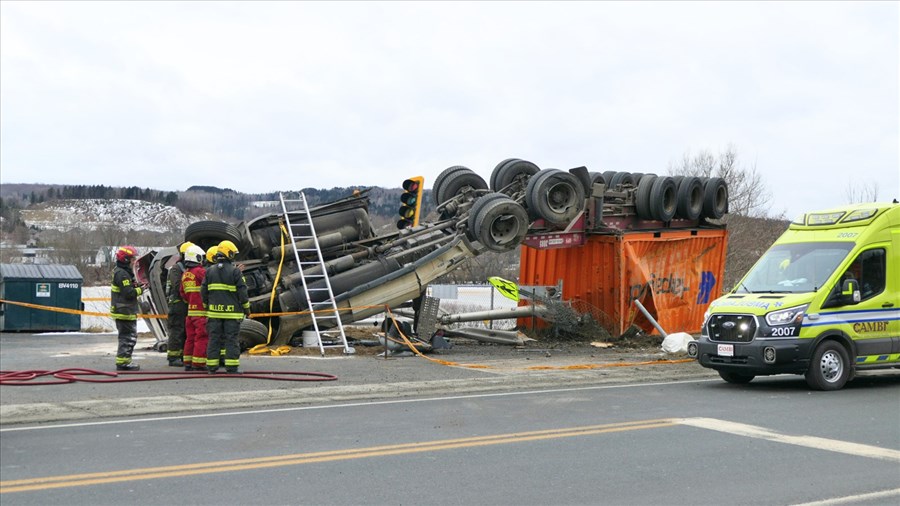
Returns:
point(224, 292)
point(191, 281)
point(123, 303)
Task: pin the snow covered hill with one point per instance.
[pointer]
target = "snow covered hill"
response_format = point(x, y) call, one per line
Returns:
point(91, 214)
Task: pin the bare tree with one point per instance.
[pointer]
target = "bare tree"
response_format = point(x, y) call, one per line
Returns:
point(859, 192)
point(72, 248)
point(107, 238)
point(751, 227)
point(748, 194)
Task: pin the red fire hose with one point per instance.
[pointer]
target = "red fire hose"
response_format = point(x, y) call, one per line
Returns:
point(72, 375)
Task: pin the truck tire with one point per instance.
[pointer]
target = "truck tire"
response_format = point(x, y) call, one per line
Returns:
point(663, 201)
point(210, 233)
point(252, 333)
point(607, 176)
point(597, 178)
point(642, 197)
point(736, 377)
point(715, 198)
point(829, 368)
point(491, 181)
point(439, 180)
point(456, 182)
point(472, 233)
point(506, 173)
point(690, 198)
point(555, 196)
point(500, 224)
point(621, 178)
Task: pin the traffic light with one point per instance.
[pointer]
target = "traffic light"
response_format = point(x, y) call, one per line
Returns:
point(411, 202)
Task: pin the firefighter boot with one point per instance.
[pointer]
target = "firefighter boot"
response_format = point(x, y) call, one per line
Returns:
point(176, 362)
point(232, 370)
point(128, 367)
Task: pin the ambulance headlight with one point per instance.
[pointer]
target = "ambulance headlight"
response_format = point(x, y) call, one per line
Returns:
point(788, 316)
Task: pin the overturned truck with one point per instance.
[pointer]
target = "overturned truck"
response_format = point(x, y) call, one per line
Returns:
point(368, 272)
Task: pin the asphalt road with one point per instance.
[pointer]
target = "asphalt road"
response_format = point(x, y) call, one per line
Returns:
point(690, 442)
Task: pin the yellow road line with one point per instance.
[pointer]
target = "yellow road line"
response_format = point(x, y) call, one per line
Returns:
point(77, 480)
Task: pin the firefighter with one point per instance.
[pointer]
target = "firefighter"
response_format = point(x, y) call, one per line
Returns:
point(211, 260)
point(177, 309)
point(224, 294)
point(123, 306)
point(195, 325)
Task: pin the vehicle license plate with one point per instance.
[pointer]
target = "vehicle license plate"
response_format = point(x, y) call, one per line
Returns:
point(725, 350)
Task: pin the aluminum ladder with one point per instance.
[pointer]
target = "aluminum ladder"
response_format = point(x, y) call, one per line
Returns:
point(324, 311)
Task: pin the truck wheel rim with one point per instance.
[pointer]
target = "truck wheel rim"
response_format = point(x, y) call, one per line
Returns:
point(831, 366)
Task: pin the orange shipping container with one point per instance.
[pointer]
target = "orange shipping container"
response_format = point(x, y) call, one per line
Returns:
point(674, 273)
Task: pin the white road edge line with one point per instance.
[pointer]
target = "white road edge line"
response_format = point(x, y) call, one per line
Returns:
point(853, 498)
point(350, 405)
point(819, 443)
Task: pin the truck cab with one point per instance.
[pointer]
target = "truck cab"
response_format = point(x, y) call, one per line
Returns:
point(823, 301)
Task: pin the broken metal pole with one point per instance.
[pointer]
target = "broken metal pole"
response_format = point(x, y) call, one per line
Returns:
point(652, 320)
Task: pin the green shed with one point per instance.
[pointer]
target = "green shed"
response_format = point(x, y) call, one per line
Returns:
point(49, 285)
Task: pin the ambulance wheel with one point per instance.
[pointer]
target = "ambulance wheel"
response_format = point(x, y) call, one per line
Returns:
point(829, 368)
point(162, 347)
point(252, 333)
point(736, 377)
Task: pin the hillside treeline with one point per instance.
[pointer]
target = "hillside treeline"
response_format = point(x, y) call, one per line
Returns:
point(226, 203)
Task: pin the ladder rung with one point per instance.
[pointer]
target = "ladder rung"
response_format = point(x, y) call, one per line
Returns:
point(297, 231)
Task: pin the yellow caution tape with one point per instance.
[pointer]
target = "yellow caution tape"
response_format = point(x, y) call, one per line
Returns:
point(72, 311)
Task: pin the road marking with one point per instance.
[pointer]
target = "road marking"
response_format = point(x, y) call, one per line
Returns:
point(349, 405)
point(819, 443)
point(77, 480)
point(871, 496)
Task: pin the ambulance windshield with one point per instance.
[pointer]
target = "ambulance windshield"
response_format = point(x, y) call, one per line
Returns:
point(795, 268)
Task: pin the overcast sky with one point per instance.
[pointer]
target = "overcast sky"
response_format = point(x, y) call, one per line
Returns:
point(262, 97)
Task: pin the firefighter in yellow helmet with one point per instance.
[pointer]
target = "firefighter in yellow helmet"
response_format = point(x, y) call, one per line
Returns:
point(224, 293)
point(177, 309)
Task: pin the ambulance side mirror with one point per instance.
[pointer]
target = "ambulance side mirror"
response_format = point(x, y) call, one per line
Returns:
point(850, 292)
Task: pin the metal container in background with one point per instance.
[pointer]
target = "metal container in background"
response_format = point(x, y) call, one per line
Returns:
point(51, 285)
point(674, 273)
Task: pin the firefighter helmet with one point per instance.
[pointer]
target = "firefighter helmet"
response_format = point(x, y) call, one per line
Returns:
point(211, 254)
point(194, 254)
point(228, 249)
point(125, 254)
point(184, 246)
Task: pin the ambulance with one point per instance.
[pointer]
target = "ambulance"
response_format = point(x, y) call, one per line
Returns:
point(823, 301)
